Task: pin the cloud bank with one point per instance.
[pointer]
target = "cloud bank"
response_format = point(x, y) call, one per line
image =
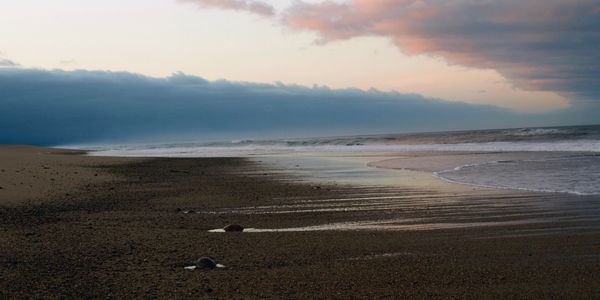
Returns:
point(72, 107)
point(7, 63)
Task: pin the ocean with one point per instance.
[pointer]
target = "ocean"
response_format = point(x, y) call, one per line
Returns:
point(551, 159)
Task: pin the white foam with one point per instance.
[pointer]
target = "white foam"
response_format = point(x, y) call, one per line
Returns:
point(539, 131)
point(560, 175)
point(192, 268)
point(257, 149)
point(396, 225)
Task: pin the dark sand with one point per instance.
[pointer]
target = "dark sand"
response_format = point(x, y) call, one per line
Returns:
point(91, 227)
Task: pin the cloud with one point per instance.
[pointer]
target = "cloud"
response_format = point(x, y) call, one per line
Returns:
point(66, 62)
point(56, 107)
point(551, 45)
point(7, 63)
point(256, 7)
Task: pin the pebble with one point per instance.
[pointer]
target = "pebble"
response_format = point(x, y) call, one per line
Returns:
point(205, 263)
point(234, 228)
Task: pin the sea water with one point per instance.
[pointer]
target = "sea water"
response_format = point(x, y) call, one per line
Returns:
point(559, 159)
point(575, 174)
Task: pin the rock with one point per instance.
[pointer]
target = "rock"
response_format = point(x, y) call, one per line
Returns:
point(205, 263)
point(234, 228)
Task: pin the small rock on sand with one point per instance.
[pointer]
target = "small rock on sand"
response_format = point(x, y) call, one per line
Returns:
point(205, 263)
point(234, 228)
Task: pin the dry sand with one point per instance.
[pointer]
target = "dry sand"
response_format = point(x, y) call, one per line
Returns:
point(116, 228)
point(29, 174)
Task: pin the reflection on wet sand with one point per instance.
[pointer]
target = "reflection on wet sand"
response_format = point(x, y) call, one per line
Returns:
point(401, 209)
point(412, 200)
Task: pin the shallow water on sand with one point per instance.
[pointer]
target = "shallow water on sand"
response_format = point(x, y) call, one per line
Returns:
point(339, 169)
point(415, 200)
point(400, 192)
point(575, 175)
point(399, 210)
point(557, 172)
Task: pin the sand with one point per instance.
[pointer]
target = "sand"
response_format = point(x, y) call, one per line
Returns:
point(117, 228)
point(28, 174)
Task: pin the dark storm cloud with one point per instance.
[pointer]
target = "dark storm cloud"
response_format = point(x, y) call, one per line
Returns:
point(65, 107)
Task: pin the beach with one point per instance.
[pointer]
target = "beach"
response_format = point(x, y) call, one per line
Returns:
point(76, 226)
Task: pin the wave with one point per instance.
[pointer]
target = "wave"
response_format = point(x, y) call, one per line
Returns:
point(563, 139)
point(541, 132)
point(592, 146)
point(573, 174)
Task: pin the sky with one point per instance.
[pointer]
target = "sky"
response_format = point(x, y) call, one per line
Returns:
point(537, 62)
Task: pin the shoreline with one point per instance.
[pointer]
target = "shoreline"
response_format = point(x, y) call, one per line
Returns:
point(124, 234)
point(451, 162)
point(414, 164)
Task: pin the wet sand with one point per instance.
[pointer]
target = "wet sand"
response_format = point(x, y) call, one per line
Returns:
point(126, 228)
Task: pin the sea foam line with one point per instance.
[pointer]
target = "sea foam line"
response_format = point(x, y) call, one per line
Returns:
point(592, 146)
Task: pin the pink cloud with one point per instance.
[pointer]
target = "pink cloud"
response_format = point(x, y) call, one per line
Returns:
point(540, 45)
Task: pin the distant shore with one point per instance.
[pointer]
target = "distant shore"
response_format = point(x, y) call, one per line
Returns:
point(76, 226)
